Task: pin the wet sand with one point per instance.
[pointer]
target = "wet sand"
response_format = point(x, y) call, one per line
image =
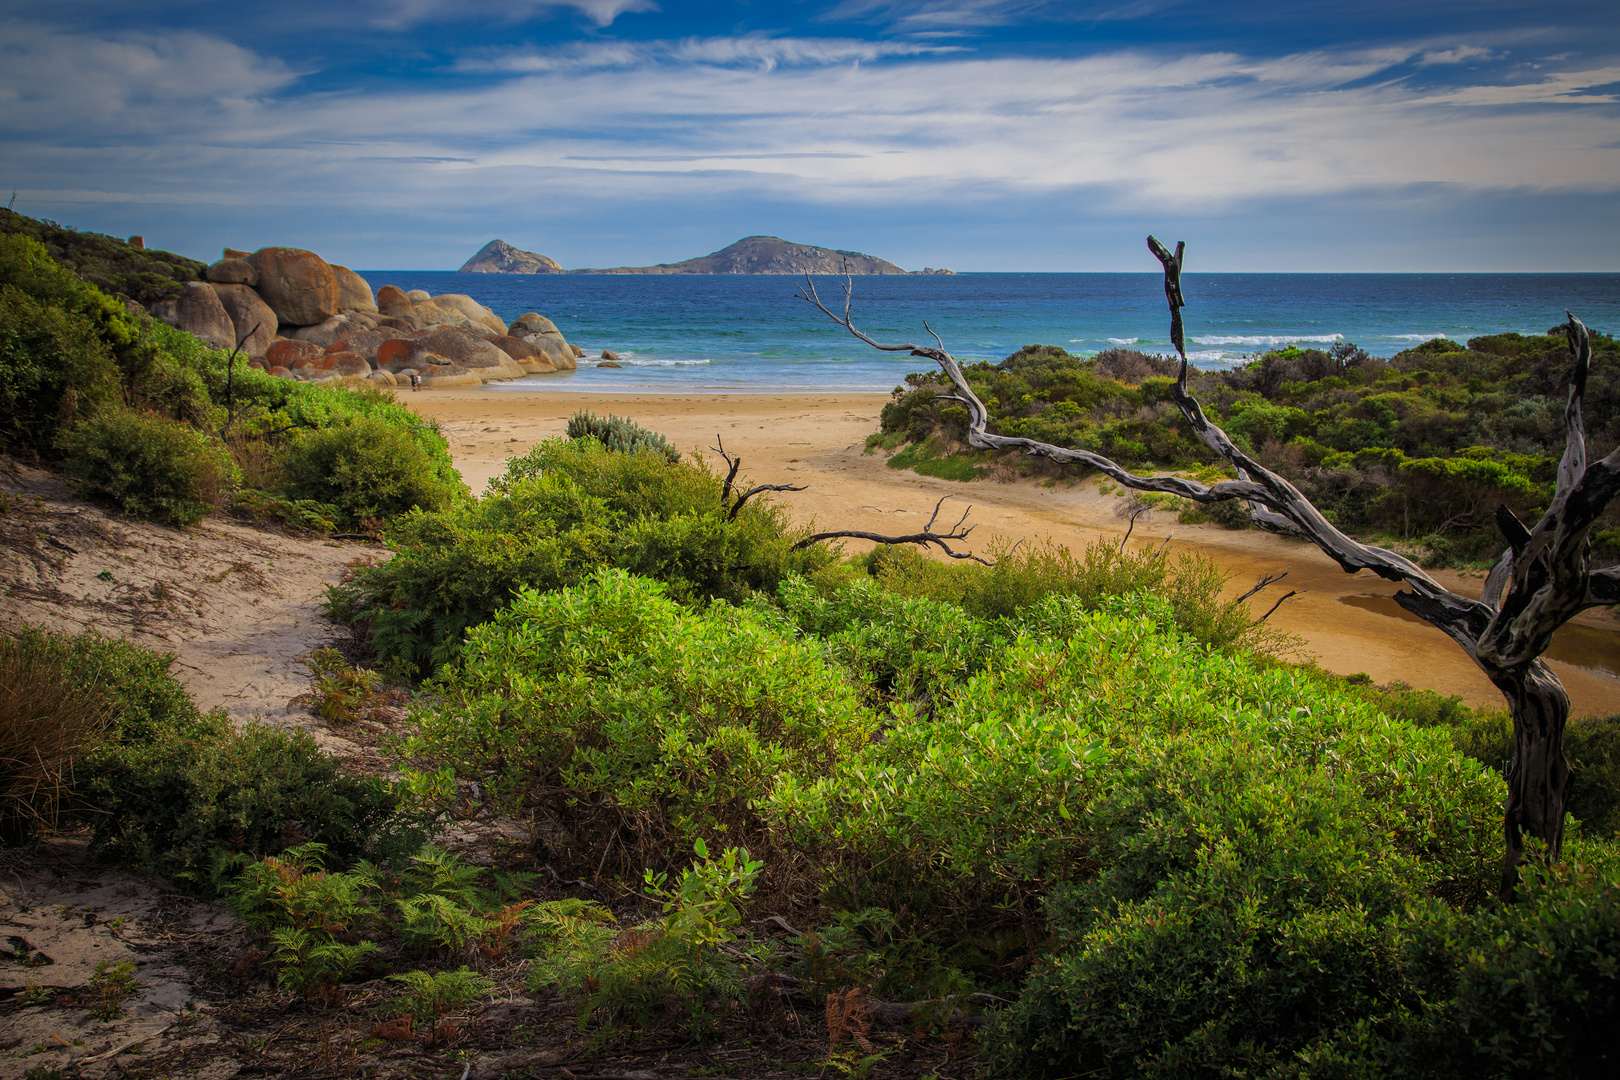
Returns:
point(1348, 622)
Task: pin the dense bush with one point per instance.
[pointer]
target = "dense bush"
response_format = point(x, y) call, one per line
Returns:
point(611, 707)
point(1024, 577)
point(198, 790)
point(54, 369)
point(619, 434)
point(64, 697)
point(1529, 990)
point(561, 512)
point(367, 468)
point(106, 262)
point(149, 465)
point(1422, 446)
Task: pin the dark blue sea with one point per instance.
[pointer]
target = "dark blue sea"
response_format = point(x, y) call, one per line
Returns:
point(747, 333)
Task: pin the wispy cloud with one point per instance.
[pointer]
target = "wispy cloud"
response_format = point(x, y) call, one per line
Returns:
point(761, 51)
point(920, 15)
point(406, 13)
point(1458, 54)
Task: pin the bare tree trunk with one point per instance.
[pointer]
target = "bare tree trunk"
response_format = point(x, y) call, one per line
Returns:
point(1543, 580)
point(1539, 777)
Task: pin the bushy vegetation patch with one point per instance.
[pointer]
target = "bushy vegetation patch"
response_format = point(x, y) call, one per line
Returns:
point(101, 730)
point(200, 790)
point(560, 513)
point(164, 427)
point(367, 468)
point(636, 722)
point(108, 263)
point(620, 434)
point(1422, 446)
point(149, 465)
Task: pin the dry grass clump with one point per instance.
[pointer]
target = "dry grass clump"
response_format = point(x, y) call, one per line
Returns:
point(49, 716)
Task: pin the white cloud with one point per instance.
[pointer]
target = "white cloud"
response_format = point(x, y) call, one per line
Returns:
point(137, 83)
point(403, 13)
point(1460, 54)
point(752, 50)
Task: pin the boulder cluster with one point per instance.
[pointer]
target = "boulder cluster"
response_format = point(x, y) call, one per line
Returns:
point(301, 317)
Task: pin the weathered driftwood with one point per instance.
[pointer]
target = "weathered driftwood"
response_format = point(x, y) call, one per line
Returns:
point(1542, 580)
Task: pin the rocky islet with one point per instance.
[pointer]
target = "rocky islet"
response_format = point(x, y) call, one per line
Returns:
point(298, 316)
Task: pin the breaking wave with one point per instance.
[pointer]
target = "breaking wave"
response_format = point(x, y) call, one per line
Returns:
point(1264, 339)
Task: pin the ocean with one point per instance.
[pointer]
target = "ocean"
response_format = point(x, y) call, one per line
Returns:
point(748, 334)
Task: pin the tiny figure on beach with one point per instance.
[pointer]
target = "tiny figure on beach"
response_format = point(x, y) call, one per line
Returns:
point(416, 381)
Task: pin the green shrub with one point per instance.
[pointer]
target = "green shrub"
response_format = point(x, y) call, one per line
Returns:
point(1218, 844)
point(69, 696)
point(197, 790)
point(28, 267)
point(673, 961)
point(1532, 989)
point(620, 435)
point(1021, 578)
point(149, 465)
point(615, 708)
point(367, 468)
point(54, 369)
point(560, 513)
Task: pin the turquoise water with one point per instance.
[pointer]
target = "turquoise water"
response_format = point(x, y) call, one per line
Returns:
point(747, 333)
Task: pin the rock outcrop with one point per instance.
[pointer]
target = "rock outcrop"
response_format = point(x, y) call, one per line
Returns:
point(499, 257)
point(300, 286)
point(197, 309)
point(767, 255)
point(354, 293)
point(233, 272)
point(317, 320)
point(248, 310)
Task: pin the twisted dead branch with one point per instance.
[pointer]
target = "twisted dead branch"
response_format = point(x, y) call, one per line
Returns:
point(731, 508)
point(926, 537)
point(1541, 581)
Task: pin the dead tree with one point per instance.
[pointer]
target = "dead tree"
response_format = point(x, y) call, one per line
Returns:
point(1541, 581)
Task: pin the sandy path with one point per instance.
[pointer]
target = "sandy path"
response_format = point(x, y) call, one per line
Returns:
point(818, 440)
point(237, 605)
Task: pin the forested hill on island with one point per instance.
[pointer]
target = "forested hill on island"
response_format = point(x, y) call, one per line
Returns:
point(750, 255)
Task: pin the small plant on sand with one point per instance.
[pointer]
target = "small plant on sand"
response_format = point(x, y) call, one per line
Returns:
point(435, 995)
point(110, 985)
point(620, 435)
point(344, 692)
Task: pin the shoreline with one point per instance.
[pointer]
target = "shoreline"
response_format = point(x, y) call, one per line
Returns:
point(818, 439)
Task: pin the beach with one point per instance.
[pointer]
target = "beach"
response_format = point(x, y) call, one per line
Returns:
point(1347, 622)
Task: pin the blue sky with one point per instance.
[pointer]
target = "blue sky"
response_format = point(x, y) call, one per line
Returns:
point(975, 134)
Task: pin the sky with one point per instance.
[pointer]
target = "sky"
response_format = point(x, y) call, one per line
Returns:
point(981, 135)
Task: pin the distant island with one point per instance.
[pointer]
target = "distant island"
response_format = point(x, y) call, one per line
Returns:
point(499, 257)
point(750, 255)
